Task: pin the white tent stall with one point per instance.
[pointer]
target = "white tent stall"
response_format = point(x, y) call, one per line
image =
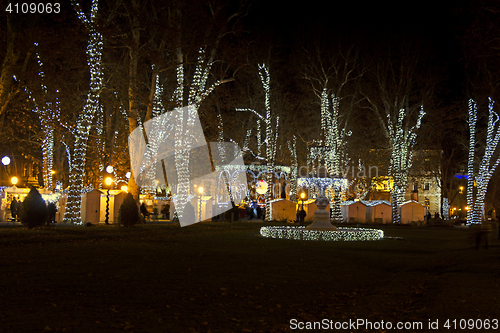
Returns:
point(412, 211)
point(378, 211)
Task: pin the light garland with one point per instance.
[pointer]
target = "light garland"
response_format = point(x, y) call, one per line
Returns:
point(475, 214)
point(332, 150)
point(220, 139)
point(470, 162)
point(271, 133)
point(341, 234)
point(292, 147)
point(446, 209)
point(185, 121)
point(402, 143)
point(48, 113)
point(85, 118)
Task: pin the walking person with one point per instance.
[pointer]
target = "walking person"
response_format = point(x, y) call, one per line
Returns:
point(302, 216)
point(14, 209)
point(144, 212)
point(51, 213)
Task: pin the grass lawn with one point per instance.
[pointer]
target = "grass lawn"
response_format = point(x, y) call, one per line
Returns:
point(223, 277)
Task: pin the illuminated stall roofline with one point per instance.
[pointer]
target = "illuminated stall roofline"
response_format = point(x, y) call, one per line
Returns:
point(225, 170)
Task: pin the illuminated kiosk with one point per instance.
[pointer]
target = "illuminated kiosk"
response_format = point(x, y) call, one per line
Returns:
point(317, 185)
point(321, 228)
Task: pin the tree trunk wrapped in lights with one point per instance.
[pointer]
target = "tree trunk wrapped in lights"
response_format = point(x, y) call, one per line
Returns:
point(48, 113)
point(488, 165)
point(292, 147)
point(271, 135)
point(84, 121)
point(335, 145)
point(402, 142)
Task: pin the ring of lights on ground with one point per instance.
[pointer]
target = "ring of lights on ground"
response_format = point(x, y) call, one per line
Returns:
point(341, 234)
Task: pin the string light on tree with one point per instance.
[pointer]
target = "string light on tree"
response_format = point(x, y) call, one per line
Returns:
point(402, 142)
point(488, 165)
point(271, 134)
point(86, 116)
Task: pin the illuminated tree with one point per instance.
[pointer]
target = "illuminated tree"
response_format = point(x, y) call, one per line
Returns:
point(86, 115)
point(487, 166)
point(270, 136)
point(396, 88)
point(401, 141)
point(333, 71)
point(48, 113)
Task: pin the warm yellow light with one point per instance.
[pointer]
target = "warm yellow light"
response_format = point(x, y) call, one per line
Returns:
point(14, 180)
point(467, 207)
point(53, 172)
point(124, 188)
point(262, 187)
point(108, 181)
point(200, 190)
point(302, 195)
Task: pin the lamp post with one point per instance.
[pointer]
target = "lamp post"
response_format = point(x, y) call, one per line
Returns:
point(200, 191)
point(108, 181)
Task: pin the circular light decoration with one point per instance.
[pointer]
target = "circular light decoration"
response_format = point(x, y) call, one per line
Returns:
point(108, 181)
point(262, 187)
point(128, 174)
point(341, 234)
point(109, 169)
point(6, 160)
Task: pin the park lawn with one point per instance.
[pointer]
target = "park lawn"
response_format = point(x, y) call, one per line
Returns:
point(223, 277)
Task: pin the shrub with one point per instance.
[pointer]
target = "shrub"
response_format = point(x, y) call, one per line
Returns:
point(33, 210)
point(129, 213)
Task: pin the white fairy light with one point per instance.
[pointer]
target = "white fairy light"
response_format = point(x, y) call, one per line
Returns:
point(331, 151)
point(292, 147)
point(475, 215)
point(48, 113)
point(271, 133)
point(86, 116)
point(402, 142)
point(341, 234)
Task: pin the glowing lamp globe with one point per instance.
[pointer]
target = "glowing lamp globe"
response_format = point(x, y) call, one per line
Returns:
point(200, 190)
point(124, 188)
point(108, 181)
point(6, 160)
point(128, 174)
point(109, 169)
point(262, 187)
point(14, 180)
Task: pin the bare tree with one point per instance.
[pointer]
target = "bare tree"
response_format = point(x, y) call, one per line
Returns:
point(333, 73)
point(399, 86)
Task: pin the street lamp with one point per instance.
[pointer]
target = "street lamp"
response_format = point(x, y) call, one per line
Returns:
point(461, 188)
point(14, 180)
point(108, 181)
point(6, 160)
point(200, 191)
